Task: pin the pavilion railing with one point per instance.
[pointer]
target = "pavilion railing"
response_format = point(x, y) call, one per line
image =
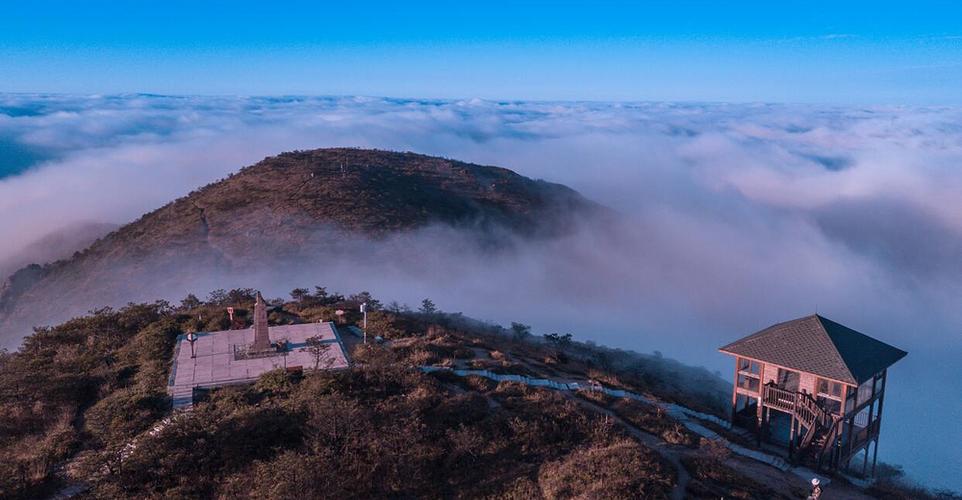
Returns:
point(803, 406)
point(779, 398)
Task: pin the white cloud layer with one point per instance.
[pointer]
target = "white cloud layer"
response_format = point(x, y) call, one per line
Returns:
point(737, 216)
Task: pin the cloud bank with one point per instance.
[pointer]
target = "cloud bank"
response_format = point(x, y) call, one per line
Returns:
point(736, 216)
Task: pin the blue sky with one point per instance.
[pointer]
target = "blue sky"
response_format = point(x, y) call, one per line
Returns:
point(839, 52)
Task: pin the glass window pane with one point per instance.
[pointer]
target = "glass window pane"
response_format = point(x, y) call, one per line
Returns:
point(822, 387)
point(748, 382)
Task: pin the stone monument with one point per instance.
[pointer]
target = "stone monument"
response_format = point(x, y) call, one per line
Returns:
point(262, 339)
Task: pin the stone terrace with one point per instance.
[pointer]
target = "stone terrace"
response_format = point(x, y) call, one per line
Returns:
point(215, 364)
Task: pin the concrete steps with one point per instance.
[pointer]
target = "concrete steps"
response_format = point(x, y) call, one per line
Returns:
point(182, 397)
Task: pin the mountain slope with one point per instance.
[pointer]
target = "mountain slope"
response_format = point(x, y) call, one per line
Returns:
point(287, 207)
point(85, 408)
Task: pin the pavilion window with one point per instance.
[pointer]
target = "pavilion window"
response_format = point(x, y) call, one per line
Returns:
point(748, 382)
point(865, 391)
point(832, 405)
point(749, 366)
point(829, 389)
point(850, 401)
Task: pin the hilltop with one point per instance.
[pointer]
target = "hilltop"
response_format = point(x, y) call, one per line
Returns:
point(83, 405)
point(287, 209)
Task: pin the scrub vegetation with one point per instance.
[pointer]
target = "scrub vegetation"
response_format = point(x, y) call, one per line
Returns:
point(83, 405)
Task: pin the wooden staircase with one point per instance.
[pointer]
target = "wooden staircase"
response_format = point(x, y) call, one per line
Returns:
point(817, 447)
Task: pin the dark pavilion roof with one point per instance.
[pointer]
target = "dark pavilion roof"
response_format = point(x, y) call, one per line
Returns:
point(821, 346)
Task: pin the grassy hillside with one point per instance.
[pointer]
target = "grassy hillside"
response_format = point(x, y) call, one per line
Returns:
point(83, 404)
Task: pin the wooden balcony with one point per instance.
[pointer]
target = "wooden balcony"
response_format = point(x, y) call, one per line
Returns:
point(802, 405)
point(778, 398)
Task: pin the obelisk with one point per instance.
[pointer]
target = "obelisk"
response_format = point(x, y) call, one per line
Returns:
point(262, 339)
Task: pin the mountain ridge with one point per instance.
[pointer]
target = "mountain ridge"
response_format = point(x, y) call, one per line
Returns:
point(289, 206)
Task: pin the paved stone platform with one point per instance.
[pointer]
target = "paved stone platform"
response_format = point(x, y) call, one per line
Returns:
point(214, 364)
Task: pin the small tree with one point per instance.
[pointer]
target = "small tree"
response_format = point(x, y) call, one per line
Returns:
point(299, 294)
point(217, 297)
point(520, 331)
point(318, 350)
point(561, 341)
point(428, 307)
point(240, 296)
point(365, 297)
point(190, 301)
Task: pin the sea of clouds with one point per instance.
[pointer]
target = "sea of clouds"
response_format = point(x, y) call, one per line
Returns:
point(736, 216)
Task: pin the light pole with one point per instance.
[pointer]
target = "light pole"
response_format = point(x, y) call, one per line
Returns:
point(364, 311)
point(192, 337)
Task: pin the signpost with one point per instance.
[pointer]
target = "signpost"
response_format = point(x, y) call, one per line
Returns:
point(364, 311)
point(230, 312)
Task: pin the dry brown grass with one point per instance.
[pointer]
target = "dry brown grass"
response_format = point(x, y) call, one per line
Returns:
point(598, 398)
point(712, 479)
point(622, 469)
point(654, 420)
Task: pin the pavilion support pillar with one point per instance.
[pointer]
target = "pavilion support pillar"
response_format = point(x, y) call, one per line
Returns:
point(847, 444)
point(735, 392)
point(791, 438)
point(872, 416)
point(760, 421)
point(878, 425)
point(865, 461)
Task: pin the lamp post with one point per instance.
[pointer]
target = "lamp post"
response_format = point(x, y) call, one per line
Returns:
point(364, 311)
point(192, 337)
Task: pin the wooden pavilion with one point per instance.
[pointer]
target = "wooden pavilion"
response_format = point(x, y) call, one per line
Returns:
point(815, 387)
